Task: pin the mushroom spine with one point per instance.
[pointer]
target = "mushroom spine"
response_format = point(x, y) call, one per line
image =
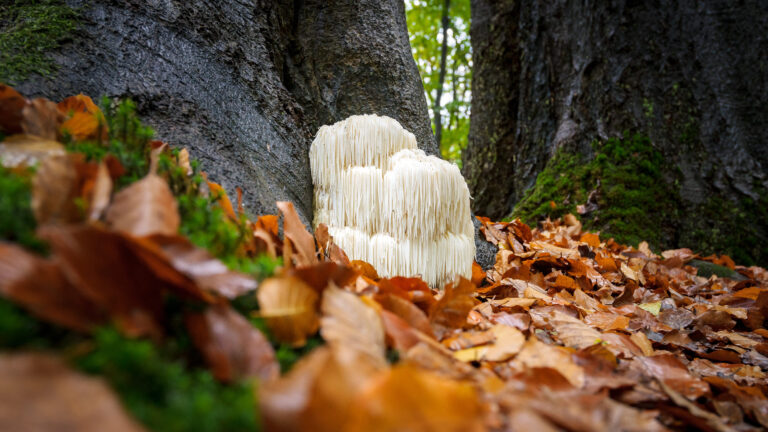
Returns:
point(387, 203)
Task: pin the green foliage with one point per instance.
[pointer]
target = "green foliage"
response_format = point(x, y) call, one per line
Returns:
point(17, 223)
point(163, 393)
point(425, 30)
point(19, 329)
point(634, 200)
point(29, 29)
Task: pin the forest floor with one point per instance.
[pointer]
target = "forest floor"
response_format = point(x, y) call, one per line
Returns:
point(135, 294)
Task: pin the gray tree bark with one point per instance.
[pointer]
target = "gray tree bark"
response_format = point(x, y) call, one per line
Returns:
point(245, 85)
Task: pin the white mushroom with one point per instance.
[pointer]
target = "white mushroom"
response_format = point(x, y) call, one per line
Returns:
point(387, 203)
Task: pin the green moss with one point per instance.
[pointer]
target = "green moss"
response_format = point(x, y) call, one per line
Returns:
point(707, 269)
point(17, 223)
point(29, 30)
point(633, 199)
point(164, 393)
point(638, 198)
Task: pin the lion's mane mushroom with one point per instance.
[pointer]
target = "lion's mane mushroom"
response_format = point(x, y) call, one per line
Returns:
point(387, 203)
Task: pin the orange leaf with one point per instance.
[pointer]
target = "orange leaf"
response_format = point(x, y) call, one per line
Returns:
point(83, 117)
point(54, 189)
point(348, 321)
point(232, 347)
point(411, 399)
point(406, 310)
point(450, 312)
point(591, 239)
point(220, 195)
point(478, 274)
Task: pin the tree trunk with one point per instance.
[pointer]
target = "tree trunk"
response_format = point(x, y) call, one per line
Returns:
point(437, 108)
point(246, 85)
point(692, 76)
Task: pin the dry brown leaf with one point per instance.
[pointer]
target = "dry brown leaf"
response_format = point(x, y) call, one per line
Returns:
point(199, 265)
point(41, 117)
point(144, 208)
point(450, 312)
point(319, 392)
point(509, 341)
point(41, 287)
point(232, 347)
point(41, 393)
point(538, 354)
point(400, 335)
point(348, 320)
point(408, 311)
point(11, 106)
point(220, 195)
point(607, 321)
point(183, 161)
point(100, 193)
point(672, 372)
point(573, 332)
point(54, 189)
point(18, 150)
point(407, 398)
point(642, 341)
point(289, 307)
point(104, 267)
point(298, 235)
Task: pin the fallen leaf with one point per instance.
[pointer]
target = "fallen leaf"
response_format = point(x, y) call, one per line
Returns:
point(83, 119)
point(410, 399)
point(41, 393)
point(232, 347)
point(144, 208)
point(348, 321)
point(11, 106)
point(54, 189)
point(573, 332)
point(289, 307)
point(220, 196)
point(406, 310)
point(509, 341)
point(297, 234)
point(450, 312)
point(41, 287)
point(104, 268)
point(41, 117)
point(538, 354)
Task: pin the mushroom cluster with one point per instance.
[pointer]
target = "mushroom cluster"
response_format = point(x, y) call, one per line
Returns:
point(387, 203)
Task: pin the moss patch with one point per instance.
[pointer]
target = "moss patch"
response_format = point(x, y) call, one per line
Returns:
point(29, 30)
point(635, 197)
point(625, 180)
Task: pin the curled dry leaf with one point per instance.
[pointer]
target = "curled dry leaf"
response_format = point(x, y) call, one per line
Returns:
point(144, 208)
point(232, 347)
point(54, 189)
point(17, 150)
point(297, 234)
point(41, 117)
point(83, 119)
point(41, 393)
point(198, 264)
point(537, 354)
point(573, 332)
point(104, 268)
point(411, 399)
point(347, 320)
point(289, 307)
point(450, 312)
point(319, 392)
point(407, 311)
point(220, 195)
point(509, 341)
point(11, 106)
point(41, 287)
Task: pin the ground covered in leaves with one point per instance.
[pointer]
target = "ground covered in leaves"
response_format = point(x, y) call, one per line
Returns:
point(136, 295)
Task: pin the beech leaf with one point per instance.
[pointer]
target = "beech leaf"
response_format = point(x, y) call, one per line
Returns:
point(144, 208)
